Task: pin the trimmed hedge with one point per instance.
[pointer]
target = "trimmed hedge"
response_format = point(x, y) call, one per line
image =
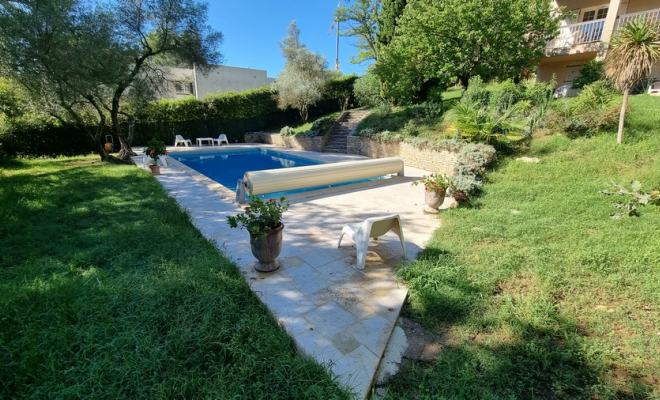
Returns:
point(230, 113)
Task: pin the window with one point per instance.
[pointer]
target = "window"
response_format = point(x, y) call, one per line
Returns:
point(183, 87)
point(591, 15)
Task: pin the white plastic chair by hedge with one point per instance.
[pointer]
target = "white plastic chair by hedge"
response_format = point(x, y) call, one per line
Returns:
point(372, 228)
point(180, 139)
point(220, 139)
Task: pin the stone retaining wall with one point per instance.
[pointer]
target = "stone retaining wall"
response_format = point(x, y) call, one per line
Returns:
point(430, 160)
point(315, 143)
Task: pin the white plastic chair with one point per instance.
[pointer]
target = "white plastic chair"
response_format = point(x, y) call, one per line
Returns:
point(372, 227)
point(220, 139)
point(180, 139)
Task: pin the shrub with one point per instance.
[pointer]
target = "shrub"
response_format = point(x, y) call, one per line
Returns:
point(367, 90)
point(591, 112)
point(340, 88)
point(589, 73)
point(287, 131)
point(367, 132)
point(467, 184)
point(477, 93)
point(471, 164)
point(504, 95)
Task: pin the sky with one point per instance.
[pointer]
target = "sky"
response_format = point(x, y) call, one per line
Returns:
point(252, 29)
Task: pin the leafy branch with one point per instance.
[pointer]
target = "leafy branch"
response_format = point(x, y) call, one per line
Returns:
point(636, 200)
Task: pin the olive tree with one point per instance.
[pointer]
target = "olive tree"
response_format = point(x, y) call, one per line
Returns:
point(298, 85)
point(79, 58)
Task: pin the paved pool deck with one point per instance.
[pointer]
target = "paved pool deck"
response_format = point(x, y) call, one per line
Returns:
point(337, 314)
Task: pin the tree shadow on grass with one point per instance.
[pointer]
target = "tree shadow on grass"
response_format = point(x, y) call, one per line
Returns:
point(495, 344)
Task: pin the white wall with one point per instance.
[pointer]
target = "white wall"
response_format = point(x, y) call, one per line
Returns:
point(221, 79)
point(180, 82)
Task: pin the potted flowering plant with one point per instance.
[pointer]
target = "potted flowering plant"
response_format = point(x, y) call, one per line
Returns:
point(154, 149)
point(435, 189)
point(263, 221)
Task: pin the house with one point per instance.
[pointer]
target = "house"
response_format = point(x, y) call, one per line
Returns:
point(584, 37)
point(183, 82)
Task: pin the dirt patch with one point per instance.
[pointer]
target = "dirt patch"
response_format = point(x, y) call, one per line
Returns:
point(422, 345)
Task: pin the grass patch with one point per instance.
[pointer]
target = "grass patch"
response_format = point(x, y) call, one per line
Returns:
point(108, 291)
point(533, 290)
point(308, 125)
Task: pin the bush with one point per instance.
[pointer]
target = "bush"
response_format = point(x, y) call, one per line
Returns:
point(591, 112)
point(589, 73)
point(287, 131)
point(367, 90)
point(477, 93)
point(471, 164)
point(504, 95)
point(340, 88)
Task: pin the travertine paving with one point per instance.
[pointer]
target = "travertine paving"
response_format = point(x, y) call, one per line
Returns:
point(340, 316)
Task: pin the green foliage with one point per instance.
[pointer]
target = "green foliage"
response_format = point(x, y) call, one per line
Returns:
point(340, 88)
point(637, 198)
point(232, 105)
point(287, 131)
point(359, 21)
point(108, 291)
point(154, 149)
point(367, 89)
point(589, 73)
point(594, 110)
point(260, 217)
point(298, 86)
point(489, 123)
point(471, 164)
point(388, 18)
point(530, 292)
point(434, 182)
point(457, 39)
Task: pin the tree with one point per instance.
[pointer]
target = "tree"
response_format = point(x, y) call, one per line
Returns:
point(298, 85)
point(630, 58)
point(439, 41)
point(387, 19)
point(79, 58)
point(361, 21)
point(44, 46)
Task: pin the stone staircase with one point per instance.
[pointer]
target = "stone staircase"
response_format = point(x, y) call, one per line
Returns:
point(338, 142)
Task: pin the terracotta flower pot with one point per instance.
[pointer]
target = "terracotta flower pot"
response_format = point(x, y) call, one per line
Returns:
point(155, 169)
point(266, 250)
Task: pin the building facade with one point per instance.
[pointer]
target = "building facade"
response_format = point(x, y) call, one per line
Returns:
point(183, 82)
point(584, 37)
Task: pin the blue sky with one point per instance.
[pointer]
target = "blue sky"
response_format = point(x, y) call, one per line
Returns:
point(252, 28)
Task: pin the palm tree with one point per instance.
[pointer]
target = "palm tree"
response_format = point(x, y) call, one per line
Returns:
point(630, 58)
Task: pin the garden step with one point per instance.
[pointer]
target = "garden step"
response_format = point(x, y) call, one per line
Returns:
point(338, 141)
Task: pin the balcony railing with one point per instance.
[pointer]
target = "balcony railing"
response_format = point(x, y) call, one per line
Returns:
point(651, 15)
point(580, 33)
point(592, 31)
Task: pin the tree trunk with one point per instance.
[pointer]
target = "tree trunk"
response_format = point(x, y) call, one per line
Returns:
point(622, 117)
point(125, 152)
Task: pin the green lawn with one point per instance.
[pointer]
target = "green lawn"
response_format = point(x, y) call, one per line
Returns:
point(533, 291)
point(108, 291)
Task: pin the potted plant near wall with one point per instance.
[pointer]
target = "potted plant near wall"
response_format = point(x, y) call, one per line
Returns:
point(154, 149)
point(263, 221)
point(435, 186)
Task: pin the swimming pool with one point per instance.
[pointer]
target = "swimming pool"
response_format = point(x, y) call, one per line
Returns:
point(228, 166)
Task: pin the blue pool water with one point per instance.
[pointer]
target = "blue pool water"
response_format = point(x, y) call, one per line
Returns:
point(228, 166)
